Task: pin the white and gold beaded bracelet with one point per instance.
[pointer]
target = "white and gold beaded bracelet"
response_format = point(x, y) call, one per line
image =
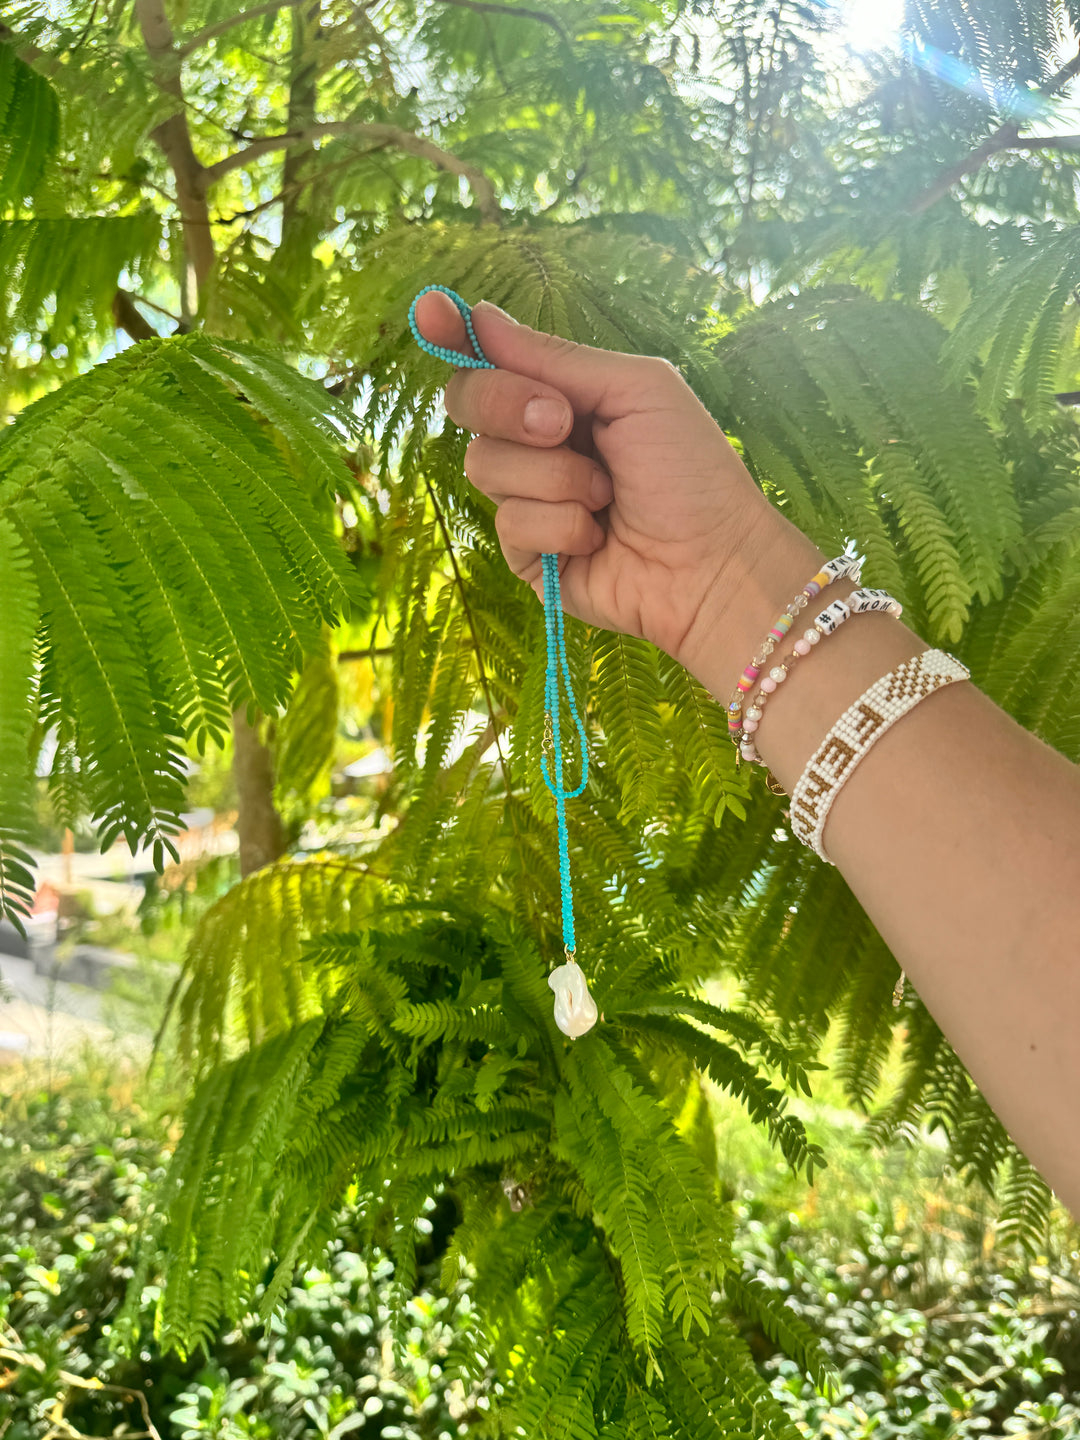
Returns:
point(857, 731)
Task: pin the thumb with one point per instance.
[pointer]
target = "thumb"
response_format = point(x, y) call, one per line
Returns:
point(604, 383)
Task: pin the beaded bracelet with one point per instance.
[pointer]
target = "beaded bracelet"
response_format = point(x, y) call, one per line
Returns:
point(843, 567)
point(859, 602)
point(857, 731)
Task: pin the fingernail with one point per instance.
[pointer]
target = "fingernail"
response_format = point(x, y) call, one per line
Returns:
point(545, 417)
point(489, 306)
point(599, 489)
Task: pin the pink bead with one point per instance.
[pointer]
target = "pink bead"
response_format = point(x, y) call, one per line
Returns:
point(802, 647)
point(777, 632)
point(768, 685)
point(748, 752)
point(752, 672)
point(812, 589)
point(750, 726)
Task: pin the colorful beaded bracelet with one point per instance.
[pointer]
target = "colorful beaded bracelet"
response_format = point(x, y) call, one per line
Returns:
point(843, 567)
point(859, 602)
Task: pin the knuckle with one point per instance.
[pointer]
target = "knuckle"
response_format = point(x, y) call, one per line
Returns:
point(582, 527)
point(470, 398)
point(566, 474)
point(663, 370)
point(507, 519)
point(559, 347)
point(474, 458)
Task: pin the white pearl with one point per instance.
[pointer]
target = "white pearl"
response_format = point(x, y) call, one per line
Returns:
point(812, 635)
point(778, 673)
point(575, 1009)
point(754, 713)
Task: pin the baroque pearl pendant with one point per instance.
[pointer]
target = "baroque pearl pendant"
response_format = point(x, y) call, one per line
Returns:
point(575, 1009)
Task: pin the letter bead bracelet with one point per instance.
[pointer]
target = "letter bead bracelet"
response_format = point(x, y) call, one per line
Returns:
point(859, 602)
point(846, 566)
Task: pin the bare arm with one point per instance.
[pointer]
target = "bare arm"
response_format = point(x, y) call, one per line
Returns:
point(960, 835)
point(959, 832)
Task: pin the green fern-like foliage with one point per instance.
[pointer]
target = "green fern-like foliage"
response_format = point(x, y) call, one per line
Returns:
point(843, 409)
point(58, 277)
point(381, 1019)
point(840, 404)
point(591, 1234)
point(183, 559)
point(29, 127)
point(1023, 322)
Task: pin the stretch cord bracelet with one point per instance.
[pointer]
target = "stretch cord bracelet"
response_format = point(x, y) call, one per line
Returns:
point(575, 1009)
point(843, 567)
point(859, 602)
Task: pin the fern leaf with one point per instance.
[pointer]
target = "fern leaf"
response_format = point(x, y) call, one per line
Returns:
point(18, 623)
point(29, 127)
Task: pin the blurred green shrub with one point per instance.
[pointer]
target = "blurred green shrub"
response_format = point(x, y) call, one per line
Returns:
point(936, 1335)
point(75, 1178)
point(930, 1340)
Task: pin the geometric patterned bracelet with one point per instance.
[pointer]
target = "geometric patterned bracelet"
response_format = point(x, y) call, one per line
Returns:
point(859, 602)
point(857, 731)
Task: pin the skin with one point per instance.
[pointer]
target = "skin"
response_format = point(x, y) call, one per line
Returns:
point(960, 831)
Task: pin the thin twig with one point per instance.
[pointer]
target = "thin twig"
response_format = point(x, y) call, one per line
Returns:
point(1005, 137)
point(213, 31)
point(452, 555)
point(383, 135)
point(489, 7)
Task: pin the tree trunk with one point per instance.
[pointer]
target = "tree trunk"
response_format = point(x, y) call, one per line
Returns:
point(258, 824)
point(262, 834)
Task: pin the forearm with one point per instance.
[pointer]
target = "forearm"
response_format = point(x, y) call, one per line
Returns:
point(960, 835)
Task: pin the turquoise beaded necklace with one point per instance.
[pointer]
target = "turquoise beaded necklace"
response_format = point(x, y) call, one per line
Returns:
point(578, 1010)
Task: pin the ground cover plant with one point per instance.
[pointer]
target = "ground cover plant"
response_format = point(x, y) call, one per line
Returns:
point(932, 1331)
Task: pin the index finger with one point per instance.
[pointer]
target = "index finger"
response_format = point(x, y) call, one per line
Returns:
point(439, 321)
point(492, 402)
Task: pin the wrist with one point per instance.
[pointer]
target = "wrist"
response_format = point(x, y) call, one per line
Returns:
point(743, 601)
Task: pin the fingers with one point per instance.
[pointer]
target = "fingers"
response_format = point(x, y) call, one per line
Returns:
point(606, 383)
point(541, 379)
point(502, 469)
point(511, 407)
point(528, 527)
point(439, 321)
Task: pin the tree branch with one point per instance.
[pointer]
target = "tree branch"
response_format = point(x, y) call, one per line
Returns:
point(174, 139)
point(1005, 137)
point(213, 31)
point(389, 135)
point(488, 7)
point(129, 319)
point(1046, 142)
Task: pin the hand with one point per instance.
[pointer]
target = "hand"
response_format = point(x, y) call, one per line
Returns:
point(611, 461)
